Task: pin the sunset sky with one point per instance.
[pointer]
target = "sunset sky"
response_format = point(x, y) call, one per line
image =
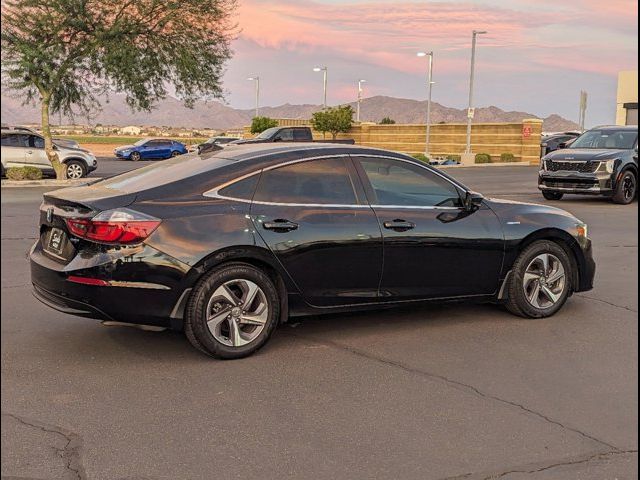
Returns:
point(537, 56)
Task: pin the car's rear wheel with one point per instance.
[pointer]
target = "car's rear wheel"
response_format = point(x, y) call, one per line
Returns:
point(626, 189)
point(551, 195)
point(175, 153)
point(540, 281)
point(76, 169)
point(135, 156)
point(232, 311)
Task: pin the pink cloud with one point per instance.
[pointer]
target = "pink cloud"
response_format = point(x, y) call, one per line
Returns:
point(388, 33)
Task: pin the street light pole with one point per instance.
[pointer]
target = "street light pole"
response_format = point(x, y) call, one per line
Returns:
point(324, 84)
point(360, 82)
point(470, 109)
point(257, 80)
point(430, 83)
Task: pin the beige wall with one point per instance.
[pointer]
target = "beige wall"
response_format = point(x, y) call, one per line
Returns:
point(627, 93)
point(491, 138)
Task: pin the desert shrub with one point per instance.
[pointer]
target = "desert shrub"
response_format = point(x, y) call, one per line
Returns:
point(15, 173)
point(483, 158)
point(507, 157)
point(421, 156)
point(32, 173)
point(23, 173)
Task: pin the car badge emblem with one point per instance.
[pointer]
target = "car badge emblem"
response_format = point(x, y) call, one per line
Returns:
point(49, 215)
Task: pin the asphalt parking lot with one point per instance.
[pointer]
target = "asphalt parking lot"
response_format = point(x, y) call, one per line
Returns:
point(432, 392)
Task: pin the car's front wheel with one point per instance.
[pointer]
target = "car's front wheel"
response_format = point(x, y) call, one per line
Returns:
point(232, 311)
point(540, 280)
point(626, 189)
point(76, 169)
point(135, 156)
point(175, 153)
point(551, 195)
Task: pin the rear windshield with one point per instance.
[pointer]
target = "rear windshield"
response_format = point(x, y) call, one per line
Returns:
point(164, 172)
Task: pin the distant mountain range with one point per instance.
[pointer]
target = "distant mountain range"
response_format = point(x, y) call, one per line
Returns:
point(171, 113)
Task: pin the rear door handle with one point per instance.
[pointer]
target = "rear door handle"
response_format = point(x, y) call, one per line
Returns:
point(399, 225)
point(280, 225)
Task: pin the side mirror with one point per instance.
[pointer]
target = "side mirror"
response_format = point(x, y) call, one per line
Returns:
point(473, 201)
point(562, 145)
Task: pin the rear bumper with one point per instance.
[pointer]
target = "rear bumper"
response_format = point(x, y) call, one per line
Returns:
point(145, 296)
point(574, 182)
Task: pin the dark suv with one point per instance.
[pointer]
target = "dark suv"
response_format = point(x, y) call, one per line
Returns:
point(601, 161)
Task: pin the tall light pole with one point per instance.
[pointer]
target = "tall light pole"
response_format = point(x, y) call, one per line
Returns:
point(324, 84)
point(470, 111)
point(430, 83)
point(360, 82)
point(256, 79)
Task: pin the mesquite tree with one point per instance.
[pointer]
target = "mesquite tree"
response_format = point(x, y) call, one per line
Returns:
point(64, 54)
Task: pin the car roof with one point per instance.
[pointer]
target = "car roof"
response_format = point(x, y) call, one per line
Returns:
point(616, 127)
point(247, 152)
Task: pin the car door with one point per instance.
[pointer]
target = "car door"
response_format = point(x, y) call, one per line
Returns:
point(35, 155)
point(14, 147)
point(433, 246)
point(150, 149)
point(313, 216)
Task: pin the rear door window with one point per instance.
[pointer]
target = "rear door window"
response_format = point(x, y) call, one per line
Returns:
point(326, 181)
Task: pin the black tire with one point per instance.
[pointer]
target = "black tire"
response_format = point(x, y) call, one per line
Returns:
point(135, 156)
point(195, 325)
point(626, 189)
point(517, 302)
point(551, 195)
point(76, 169)
point(175, 153)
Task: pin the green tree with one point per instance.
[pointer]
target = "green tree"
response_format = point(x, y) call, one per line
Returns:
point(260, 124)
point(387, 121)
point(65, 53)
point(334, 120)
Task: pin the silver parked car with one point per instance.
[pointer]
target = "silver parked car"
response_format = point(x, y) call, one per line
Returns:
point(22, 148)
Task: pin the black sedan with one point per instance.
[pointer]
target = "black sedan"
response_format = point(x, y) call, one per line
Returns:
point(227, 245)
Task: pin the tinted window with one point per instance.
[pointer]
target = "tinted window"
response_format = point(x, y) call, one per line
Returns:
point(400, 183)
point(301, 134)
point(162, 173)
point(242, 189)
point(268, 132)
point(15, 140)
point(325, 181)
point(36, 142)
point(621, 139)
point(285, 135)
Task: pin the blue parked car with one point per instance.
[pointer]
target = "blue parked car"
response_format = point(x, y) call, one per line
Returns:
point(152, 148)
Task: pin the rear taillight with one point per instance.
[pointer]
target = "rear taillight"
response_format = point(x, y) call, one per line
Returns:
point(120, 226)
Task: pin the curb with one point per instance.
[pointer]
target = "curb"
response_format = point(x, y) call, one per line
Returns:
point(44, 183)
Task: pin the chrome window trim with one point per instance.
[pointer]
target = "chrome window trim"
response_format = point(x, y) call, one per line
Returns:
point(215, 192)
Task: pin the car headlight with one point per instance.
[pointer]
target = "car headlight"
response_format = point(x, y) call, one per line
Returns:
point(543, 166)
point(582, 230)
point(608, 166)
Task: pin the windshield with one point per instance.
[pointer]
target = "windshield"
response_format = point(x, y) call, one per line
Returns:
point(267, 133)
point(612, 139)
point(140, 142)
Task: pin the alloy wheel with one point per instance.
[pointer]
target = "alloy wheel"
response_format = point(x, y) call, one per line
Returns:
point(629, 187)
point(544, 281)
point(74, 171)
point(237, 312)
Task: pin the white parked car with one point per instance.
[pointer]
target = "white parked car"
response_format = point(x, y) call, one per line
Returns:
point(23, 148)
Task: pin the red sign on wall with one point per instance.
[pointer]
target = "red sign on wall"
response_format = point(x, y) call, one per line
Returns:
point(527, 130)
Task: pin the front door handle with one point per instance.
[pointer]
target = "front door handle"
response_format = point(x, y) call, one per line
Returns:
point(399, 225)
point(280, 225)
